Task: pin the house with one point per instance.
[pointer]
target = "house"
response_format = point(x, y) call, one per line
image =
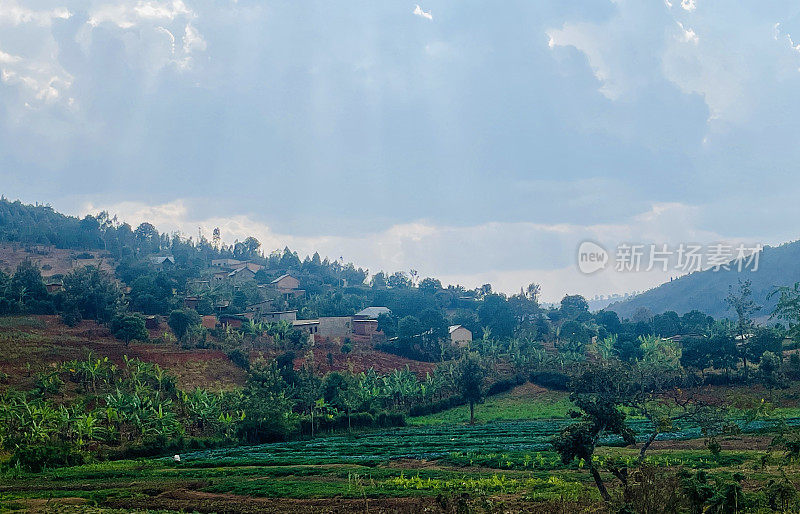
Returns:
point(209, 322)
point(285, 283)
point(372, 313)
point(161, 261)
point(231, 320)
point(260, 308)
point(54, 286)
point(190, 302)
point(226, 263)
point(335, 326)
point(365, 327)
point(272, 317)
point(220, 276)
point(242, 275)
point(199, 285)
point(255, 268)
point(460, 335)
point(311, 326)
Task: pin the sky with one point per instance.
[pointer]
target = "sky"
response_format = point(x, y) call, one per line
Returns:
point(474, 142)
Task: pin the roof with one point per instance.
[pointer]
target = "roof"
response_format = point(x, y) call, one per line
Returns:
point(161, 259)
point(301, 322)
point(236, 271)
point(286, 275)
point(373, 312)
point(453, 328)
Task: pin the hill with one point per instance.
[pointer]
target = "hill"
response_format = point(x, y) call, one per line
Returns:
point(706, 290)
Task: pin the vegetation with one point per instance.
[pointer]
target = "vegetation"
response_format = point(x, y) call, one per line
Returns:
point(578, 409)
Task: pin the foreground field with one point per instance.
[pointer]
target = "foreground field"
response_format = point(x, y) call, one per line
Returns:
point(492, 466)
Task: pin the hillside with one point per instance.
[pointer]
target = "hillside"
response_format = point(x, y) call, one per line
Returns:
point(706, 290)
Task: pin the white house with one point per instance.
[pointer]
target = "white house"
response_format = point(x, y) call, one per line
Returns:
point(460, 335)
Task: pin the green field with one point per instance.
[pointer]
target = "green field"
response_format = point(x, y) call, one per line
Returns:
point(524, 402)
point(427, 465)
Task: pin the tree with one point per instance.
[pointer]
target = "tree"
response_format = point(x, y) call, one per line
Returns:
point(90, 293)
point(129, 327)
point(769, 370)
point(495, 313)
point(573, 305)
point(429, 285)
point(741, 302)
point(181, 320)
point(27, 284)
point(469, 382)
point(598, 391)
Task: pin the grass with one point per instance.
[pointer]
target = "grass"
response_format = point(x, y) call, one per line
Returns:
point(525, 402)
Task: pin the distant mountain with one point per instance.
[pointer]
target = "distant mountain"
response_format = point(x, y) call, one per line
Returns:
point(706, 290)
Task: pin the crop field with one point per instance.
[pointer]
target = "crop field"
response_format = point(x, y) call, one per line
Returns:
point(412, 468)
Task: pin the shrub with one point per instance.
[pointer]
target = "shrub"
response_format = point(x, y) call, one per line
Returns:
point(240, 358)
point(550, 380)
point(36, 458)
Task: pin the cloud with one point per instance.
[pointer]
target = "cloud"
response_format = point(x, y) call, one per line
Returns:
point(125, 15)
point(423, 14)
point(687, 35)
point(688, 5)
point(14, 14)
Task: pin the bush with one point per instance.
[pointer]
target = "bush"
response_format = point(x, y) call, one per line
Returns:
point(36, 458)
point(240, 358)
point(550, 380)
point(501, 386)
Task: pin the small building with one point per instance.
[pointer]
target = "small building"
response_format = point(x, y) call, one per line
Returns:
point(220, 276)
point(365, 327)
point(335, 326)
point(231, 320)
point(311, 326)
point(460, 335)
point(190, 302)
point(372, 312)
point(226, 263)
point(286, 283)
point(209, 322)
point(242, 275)
point(162, 261)
point(272, 317)
point(260, 308)
point(54, 286)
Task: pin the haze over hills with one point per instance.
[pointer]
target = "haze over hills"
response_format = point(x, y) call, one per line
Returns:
point(706, 290)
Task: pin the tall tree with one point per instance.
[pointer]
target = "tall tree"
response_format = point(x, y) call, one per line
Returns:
point(469, 382)
point(742, 303)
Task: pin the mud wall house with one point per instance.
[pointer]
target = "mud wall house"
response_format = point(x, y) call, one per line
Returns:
point(285, 283)
point(287, 286)
point(335, 326)
point(54, 286)
point(242, 275)
point(459, 335)
point(190, 302)
point(365, 327)
point(209, 322)
point(226, 263)
point(231, 320)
